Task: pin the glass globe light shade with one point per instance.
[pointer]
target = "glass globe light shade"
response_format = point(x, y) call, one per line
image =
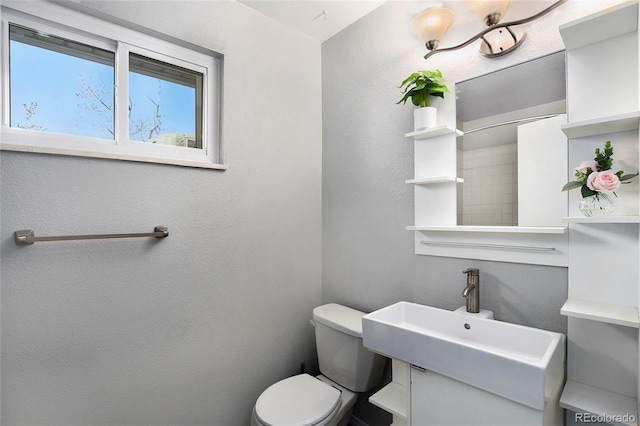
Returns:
point(431, 24)
point(488, 10)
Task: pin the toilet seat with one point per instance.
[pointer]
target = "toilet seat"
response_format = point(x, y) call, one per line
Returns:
point(300, 400)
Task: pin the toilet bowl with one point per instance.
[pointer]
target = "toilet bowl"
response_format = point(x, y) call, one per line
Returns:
point(304, 400)
point(346, 368)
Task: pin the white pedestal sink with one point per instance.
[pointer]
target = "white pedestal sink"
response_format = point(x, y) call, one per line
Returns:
point(519, 363)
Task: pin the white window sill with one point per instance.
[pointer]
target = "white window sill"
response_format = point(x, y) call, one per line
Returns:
point(59, 144)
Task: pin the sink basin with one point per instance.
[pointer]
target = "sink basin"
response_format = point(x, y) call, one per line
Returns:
point(516, 362)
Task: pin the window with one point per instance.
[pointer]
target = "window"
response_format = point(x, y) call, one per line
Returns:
point(59, 85)
point(151, 117)
point(76, 85)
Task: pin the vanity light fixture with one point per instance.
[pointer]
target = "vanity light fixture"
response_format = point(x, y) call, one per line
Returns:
point(497, 39)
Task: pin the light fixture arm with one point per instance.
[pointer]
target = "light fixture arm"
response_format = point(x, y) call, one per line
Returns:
point(481, 34)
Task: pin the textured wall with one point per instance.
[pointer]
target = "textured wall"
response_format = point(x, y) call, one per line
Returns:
point(190, 329)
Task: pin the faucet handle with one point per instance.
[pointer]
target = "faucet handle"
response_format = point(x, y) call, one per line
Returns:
point(472, 271)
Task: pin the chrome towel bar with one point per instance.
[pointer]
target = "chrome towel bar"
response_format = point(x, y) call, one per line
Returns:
point(487, 246)
point(26, 236)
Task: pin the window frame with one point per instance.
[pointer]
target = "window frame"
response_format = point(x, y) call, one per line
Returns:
point(88, 29)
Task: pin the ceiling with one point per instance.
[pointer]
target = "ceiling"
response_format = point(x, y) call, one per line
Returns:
point(322, 19)
point(319, 19)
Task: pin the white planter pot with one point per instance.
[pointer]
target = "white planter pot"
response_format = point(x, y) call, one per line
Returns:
point(424, 118)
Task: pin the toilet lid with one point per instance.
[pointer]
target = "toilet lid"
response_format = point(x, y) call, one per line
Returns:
point(300, 400)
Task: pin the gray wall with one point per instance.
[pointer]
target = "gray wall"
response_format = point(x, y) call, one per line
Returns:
point(190, 329)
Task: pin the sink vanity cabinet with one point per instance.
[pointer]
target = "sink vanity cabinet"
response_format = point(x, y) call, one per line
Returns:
point(394, 397)
point(439, 400)
point(419, 397)
point(465, 369)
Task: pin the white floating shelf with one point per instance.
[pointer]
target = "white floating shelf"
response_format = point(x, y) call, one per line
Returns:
point(493, 229)
point(433, 132)
point(604, 219)
point(603, 312)
point(579, 397)
point(392, 398)
point(602, 125)
point(608, 23)
point(439, 179)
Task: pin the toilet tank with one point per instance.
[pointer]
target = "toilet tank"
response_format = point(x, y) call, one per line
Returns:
point(341, 355)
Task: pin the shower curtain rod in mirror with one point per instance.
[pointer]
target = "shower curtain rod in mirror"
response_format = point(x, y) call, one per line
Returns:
point(519, 120)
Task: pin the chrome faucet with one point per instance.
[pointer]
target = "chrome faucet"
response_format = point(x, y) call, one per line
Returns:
point(472, 292)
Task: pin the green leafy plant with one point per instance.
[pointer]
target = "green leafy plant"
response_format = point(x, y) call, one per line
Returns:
point(422, 84)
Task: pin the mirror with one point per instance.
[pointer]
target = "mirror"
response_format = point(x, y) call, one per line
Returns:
point(511, 122)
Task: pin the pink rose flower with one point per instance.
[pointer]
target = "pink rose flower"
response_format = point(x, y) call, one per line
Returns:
point(605, 181)
point(582, 168)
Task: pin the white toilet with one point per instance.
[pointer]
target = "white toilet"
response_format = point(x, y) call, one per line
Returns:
point(347, 367)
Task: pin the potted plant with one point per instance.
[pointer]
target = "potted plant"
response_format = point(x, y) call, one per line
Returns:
point(596, 182)
point(419, 86)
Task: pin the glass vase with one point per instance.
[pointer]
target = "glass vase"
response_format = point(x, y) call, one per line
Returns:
point(597, 205)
